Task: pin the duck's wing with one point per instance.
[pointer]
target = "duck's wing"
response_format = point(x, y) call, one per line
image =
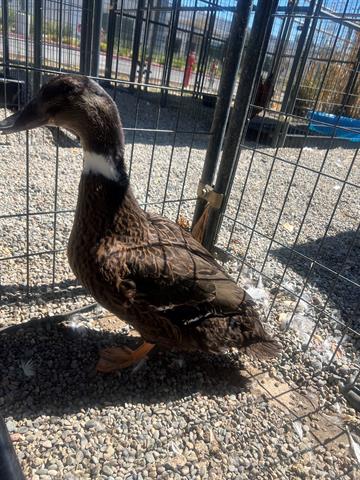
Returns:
point(182, 290)
point(171, 272)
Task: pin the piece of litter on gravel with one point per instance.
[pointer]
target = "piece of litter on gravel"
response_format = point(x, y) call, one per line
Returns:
point(298, 429)
point(77, 324)
point(304, 304)
point(258, 293)
point(260, 283)
point(27, 367)
point(355, 447)
point(302, 325)
point(289, 288)
point(290, 228)
point(284, 320)
point(326, 348)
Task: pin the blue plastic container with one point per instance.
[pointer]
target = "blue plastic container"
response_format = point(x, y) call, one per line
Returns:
point(334, 124)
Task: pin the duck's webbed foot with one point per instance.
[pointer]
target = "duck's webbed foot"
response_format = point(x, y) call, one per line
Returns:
point(117, 358)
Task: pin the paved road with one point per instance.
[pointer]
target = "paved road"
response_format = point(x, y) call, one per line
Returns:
point(70, 57)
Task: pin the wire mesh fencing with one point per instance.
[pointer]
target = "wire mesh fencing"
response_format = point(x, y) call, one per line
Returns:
point(289, 220)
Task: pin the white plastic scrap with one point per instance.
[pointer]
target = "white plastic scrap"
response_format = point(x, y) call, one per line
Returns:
point(247, 275)
point(258, 293)
point(303, 326)
point(284, 320)
point(27, 368)
point(260, 283)
point(355, 447)
point(298, 429)
point(289, 288)
point(327, 348)
point(76, 323)
point(304, 304)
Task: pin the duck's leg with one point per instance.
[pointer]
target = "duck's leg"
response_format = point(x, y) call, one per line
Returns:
point(116, 358)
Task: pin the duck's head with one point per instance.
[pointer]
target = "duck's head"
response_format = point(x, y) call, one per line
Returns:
point(78, 104)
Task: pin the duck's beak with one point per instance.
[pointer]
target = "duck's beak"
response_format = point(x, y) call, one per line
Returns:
point(27, 118)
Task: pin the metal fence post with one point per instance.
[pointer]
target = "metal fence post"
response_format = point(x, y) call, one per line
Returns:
point(283, 40)
point(169, 55)
point(298, 66)
point(96, 37)
point(136, 42)
point(249, 72)
point(5, 35)
point(234, 51)
point(201, 64)
point(83, 34)
point(37, 45)
point(110, 38)
point(86, 35)
point(208, 44)
point(153, 38)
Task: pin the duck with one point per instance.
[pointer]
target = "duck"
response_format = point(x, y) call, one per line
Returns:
point(142, 267)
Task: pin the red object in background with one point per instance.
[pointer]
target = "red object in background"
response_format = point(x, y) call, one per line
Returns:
point(188, 69)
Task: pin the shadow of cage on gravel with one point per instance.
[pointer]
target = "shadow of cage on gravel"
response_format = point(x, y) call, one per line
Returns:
point(287, 229)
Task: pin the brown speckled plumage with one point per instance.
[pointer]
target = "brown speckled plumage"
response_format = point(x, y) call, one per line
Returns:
point(142, 267)
point(154, 275)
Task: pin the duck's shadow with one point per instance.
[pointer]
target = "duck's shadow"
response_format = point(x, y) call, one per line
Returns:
point(62, 378)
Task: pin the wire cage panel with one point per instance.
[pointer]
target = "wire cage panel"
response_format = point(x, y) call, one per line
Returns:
point(291, 220)
point(166, 143)
point(288, 227)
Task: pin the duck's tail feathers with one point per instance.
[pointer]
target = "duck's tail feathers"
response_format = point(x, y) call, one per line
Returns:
point(263, 349)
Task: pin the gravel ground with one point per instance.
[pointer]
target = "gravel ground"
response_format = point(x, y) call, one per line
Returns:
point(182, 416)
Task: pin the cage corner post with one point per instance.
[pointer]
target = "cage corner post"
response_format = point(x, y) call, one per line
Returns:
point(233, 55)
point(249, 75)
